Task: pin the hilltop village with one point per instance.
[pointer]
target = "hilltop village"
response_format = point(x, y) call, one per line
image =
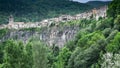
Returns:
point(95, 13)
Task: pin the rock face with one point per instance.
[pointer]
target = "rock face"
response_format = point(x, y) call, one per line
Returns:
point(50, 36)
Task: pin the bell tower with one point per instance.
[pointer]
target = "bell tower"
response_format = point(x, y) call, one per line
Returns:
point(11, 19)
point(94, 11)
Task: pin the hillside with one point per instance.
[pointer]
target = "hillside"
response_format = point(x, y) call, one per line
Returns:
point(97, 4)
point(83, 43)
point(36, 10)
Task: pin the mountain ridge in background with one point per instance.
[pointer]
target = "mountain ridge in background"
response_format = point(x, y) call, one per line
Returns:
point(37, 10)
point(96, 4)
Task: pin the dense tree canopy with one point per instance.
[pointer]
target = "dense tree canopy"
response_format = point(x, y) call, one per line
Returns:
point(114, 9)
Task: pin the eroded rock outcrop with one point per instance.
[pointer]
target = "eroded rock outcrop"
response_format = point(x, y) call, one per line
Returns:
point(51, 36)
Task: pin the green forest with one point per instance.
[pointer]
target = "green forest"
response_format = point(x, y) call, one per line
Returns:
point(37, 10)
point(96, 45)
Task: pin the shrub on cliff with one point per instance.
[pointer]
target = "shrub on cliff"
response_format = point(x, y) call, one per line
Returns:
point(114, 45)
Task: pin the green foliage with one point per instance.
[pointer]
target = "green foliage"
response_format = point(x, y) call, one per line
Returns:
point(114, 45)
point(82, 23)
point(111, 35)
point(106, 32)
point(89, 39)
point(100, 18)
point(13, 55)
point(39, 55)
point(95, 66)
point(71, 61)
point(112, 62)
point(55, 50)
point(85, 58)
point(80, 34)
point(117, 20)
point(91, 45)
point(85, 23)
point(62, 58)
point(117, 23)
point(71, 45)
point(28, 59)
point(104, 23)
point(1, 53)
point(113, 9)
point(51, 59)
point(3, 32)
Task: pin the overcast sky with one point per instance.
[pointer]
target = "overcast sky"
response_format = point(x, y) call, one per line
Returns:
point(83, 1)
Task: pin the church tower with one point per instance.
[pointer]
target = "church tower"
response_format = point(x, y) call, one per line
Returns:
point(11, 19)
point(94, 11)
